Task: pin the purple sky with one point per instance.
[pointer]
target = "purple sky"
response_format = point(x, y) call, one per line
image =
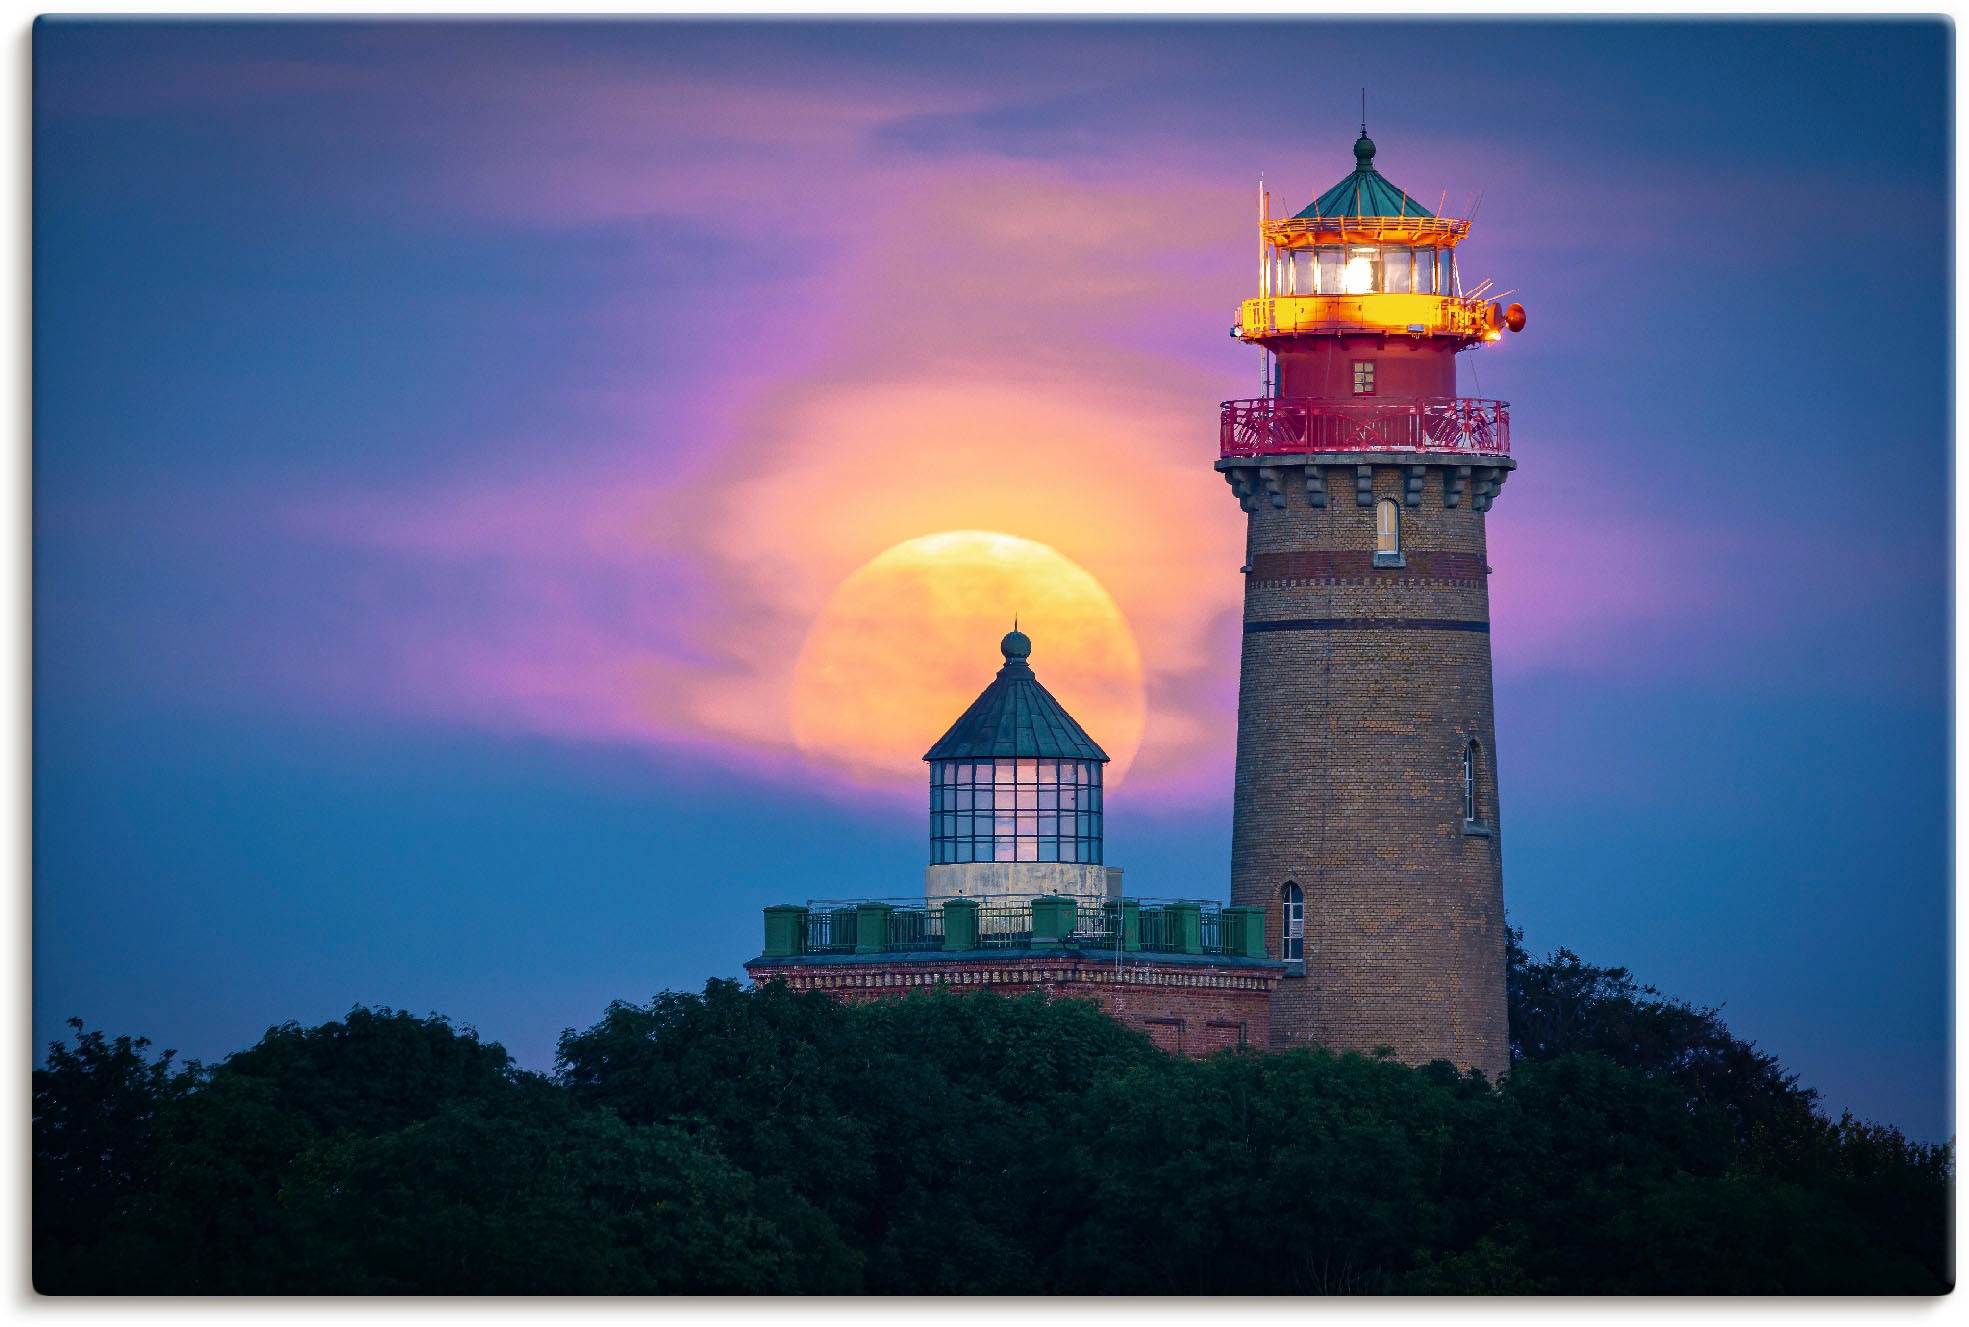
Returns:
point(446, 434)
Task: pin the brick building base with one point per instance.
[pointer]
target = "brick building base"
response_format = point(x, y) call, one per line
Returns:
point(1189, 1004)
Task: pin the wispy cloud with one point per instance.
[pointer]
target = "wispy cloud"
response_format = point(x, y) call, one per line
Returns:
point(917, 329)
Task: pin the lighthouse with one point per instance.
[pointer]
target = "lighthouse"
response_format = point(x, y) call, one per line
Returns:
point(1019, 899)
point(1366, 812)
point(1015, 796)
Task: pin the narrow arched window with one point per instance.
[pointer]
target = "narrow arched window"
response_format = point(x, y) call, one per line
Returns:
point(1387, 526)
point(1470, 782)
point(1292, 928)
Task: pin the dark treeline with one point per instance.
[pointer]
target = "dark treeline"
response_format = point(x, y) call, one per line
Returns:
point(770, 1142)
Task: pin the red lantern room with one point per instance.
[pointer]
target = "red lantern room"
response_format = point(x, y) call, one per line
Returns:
point(1361, 310)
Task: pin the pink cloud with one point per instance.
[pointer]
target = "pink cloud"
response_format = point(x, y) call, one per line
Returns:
point(944, 400)
point(1573, 587)
point(959, 341)
point(968, 383)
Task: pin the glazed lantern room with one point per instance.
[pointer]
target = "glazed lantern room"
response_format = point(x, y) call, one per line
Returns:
point(1016, 779)
point(1332, 267)
point(1368, 269)
point(1015, 811)
point(1362, 308)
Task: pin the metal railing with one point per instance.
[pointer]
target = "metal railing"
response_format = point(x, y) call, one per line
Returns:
point(831, 930)
point(1422, 230)
point(1373, 313)
point(1210, 930)
point(1160, 930)
point(1285, 425)
point(916, 928)
point(1005, 926)
point(835, 926)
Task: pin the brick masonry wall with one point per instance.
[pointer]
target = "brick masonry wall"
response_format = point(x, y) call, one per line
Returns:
point(1191, 1009)
point(1350, 777)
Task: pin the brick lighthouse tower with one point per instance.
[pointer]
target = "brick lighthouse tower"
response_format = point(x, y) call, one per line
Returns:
point(1366, 809)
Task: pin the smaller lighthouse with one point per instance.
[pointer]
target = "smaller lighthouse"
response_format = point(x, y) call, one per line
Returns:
point(1020, 899)
point(1015, 796)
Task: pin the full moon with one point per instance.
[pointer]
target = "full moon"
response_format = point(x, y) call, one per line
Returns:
point(908, 641)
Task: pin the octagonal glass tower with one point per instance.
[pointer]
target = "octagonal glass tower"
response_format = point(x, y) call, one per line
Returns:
point(1015, 793)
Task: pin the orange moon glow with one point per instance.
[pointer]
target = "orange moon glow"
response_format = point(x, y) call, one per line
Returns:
point(908, 641)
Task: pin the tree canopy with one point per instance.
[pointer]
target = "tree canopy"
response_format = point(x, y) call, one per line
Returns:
point(758, 1140)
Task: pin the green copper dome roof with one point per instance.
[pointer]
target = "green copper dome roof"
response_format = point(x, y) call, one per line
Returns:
point(1016, 718)
point(1365, 193)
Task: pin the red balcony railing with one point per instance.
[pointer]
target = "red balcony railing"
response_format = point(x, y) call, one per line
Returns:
point(1282, 425)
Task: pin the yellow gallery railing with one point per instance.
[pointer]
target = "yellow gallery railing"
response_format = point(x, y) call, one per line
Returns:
point(1417, 315)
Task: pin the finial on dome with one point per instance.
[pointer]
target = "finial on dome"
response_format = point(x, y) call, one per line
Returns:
point(1017, 646)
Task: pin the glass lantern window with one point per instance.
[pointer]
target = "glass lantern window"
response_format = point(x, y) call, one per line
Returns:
point(1395, 270)
point(1425, 271)
point(1358, 278)
point(1300, 272)
point(1368, 269)
point(1015, 811)
point(1331, 263)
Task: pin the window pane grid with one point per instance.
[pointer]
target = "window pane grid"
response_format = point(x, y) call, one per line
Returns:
point(1015, 811)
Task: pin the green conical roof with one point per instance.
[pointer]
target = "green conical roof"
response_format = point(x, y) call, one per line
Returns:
point(1365, 193)
point(1016, 718)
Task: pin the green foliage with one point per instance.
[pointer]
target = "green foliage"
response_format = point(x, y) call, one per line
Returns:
point(1562, 1005)
point(95, 1124)
point(763, 1141)
point(1888, 1199)
point(1296, 1173)
point(908, 1124)
point(531, 1195)
point(214, 1219)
